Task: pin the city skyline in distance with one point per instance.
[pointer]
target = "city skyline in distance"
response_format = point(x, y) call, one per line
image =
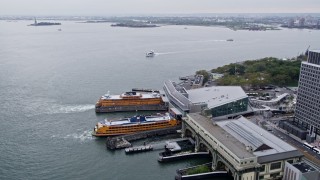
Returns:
point(143, 7)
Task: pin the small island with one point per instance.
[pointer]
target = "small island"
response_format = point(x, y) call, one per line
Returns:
point(43, 23)
point(134, 25)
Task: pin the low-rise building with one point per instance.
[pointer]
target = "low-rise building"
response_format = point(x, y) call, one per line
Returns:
point(300, 171)
point(247, 150)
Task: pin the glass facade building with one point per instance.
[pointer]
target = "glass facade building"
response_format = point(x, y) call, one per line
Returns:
point(307, 112)
point(229, 108)
point(314, 57)
point(215, 101)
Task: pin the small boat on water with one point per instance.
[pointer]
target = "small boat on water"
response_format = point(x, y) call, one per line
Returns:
point(150, 53)
point(134, 124)
point(229, 39)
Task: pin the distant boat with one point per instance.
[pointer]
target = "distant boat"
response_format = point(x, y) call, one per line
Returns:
point(150, 53)
point(229, 39)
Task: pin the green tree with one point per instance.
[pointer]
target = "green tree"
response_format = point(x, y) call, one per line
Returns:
point(261, 72)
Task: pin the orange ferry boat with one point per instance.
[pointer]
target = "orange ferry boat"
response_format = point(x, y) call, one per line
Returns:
point(134, 124)
point(131, 101)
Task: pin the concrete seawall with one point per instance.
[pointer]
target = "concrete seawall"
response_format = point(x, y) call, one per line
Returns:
point(119, 142)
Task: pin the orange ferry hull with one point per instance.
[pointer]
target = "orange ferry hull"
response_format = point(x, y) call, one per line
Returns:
point(157, 107)
point(131, 101)
point(122, 130)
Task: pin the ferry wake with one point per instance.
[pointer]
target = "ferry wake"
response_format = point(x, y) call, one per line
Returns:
point(134, 124)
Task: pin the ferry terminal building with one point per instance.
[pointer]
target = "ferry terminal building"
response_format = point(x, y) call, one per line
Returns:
point(212, 117)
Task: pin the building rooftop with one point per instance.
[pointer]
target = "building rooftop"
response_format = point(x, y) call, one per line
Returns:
point(279, 98)
point(303, 167)
point(311, 64)
point(240, 134)
point(315, 50)
point(216, 95)
point(262, 142)
point(307, 171)
point(238, 148)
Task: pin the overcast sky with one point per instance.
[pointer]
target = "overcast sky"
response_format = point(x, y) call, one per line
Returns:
point(123, 7)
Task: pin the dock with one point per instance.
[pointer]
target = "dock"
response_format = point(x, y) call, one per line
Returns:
point(138, 149)
point(179, 149)
point(117, 143)
point(183, 174)
point(120, 142)
point(183, 155)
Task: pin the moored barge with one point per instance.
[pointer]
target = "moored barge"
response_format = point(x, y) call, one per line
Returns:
point(132, 101)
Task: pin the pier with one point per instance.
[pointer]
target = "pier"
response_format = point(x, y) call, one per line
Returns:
point(188, 173)
point(182, 155)
point(120, 142)
point(179, 149)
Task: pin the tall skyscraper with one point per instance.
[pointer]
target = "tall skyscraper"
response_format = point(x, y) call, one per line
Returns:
point(307, 111)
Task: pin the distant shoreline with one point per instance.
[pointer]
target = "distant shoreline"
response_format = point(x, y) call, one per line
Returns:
point(247, 22)
point(134, 25)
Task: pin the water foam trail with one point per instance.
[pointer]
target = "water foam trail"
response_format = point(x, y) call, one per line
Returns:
point(176, 52)
point(82, 136)
point(65, 109)
point(179, 52)
point(214, 40)
point(39, 108)
point(86, 135)
point(73, 108)
point(173, 52)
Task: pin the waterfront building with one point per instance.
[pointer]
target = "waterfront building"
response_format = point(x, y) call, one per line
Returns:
point(291, 23)
point(242, 148)
point(301, 22)
point(300, 171)
point(218, 102)
point(307, 112)
point(198, 81)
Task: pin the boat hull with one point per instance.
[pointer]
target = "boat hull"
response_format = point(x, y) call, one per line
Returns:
point(131, 129)
point(155, 107)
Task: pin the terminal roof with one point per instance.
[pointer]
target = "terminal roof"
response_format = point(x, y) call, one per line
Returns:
point(216, 95)
point(223, 136)
point(239, 134)
point(254, 136)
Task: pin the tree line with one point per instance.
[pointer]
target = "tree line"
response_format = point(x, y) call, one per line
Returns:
point(259, 73)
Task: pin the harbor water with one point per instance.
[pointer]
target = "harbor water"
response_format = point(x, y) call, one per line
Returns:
point(50, 80)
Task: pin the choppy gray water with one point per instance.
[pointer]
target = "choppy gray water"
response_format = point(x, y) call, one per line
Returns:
point(50, 80)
